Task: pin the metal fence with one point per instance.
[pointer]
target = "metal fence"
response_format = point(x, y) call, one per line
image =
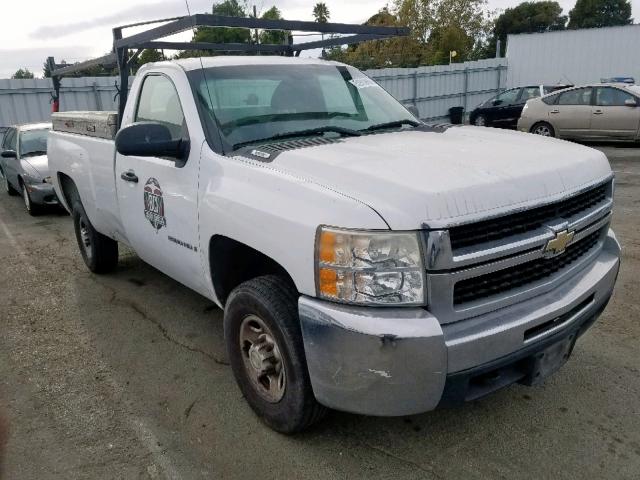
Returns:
point(433, 90)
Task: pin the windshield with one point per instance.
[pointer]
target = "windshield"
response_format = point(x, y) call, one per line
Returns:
point(33, 142)
point(255, 103)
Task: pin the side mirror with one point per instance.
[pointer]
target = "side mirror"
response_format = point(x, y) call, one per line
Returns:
point(629, 102)
point(495, 103)
point(413, 110)
point(9, 154)
point(150, 139)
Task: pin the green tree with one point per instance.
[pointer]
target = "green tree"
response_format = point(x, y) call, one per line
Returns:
point(321, 12)
point(600, 13)
point(273, 36)
point(149, 55)
point(22, 73)
point(528, 17)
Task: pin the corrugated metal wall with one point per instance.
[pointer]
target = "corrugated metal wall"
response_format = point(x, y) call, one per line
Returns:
point(436, 89)
point(573, 56)
point(24, 101)
point(432, 89)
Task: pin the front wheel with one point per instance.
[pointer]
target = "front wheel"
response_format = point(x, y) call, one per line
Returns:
point(32, 209)
point(264, 344)
point(544, 129)
point(99, 252)
point(480, 121)
point(7, 186)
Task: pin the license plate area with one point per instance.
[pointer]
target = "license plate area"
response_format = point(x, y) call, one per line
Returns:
point(548, 361)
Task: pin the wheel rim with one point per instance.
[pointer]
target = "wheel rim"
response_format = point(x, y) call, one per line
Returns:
point(542, 130)
point(262, 359)
point(85, 238)
point(480, 122)
point(25, 196)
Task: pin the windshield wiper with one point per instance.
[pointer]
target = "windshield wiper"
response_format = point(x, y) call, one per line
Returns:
point(348, 132)
point(35, 152)
point(394, 124)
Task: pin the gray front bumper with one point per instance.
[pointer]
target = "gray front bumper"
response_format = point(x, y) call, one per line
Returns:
point(42, 193)
point(388, 362)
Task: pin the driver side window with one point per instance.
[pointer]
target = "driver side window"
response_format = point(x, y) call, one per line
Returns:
point(506, 98)
point(159, 102)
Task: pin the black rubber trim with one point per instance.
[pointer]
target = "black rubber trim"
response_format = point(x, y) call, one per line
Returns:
point(461, 387)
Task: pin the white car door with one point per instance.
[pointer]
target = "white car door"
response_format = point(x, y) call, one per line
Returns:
point(616, 114)
point(158, 197)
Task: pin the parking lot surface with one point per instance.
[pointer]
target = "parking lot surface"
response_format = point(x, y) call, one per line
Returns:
point(125, 376)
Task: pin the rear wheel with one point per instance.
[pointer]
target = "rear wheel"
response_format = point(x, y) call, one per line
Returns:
point(264, 344)
point(99, 252)
point(544, 129)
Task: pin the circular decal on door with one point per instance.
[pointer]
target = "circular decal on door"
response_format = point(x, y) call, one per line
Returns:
point(154, 204)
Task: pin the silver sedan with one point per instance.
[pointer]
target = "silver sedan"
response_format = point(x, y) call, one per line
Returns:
point(590, 112)
point(24, 166)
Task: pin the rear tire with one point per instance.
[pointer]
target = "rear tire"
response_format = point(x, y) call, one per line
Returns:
point(99, 252)
point(544, 129)
point(265, 349)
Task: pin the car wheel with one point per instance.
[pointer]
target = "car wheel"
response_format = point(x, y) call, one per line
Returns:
point(99, 252)
point(480, 121)
point(544, 129)
point(7, 186)
point(265, 349)
point(32, 208)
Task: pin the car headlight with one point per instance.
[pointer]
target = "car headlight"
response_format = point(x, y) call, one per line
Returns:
point(369, 268)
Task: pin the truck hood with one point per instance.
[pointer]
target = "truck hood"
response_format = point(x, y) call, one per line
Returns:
point(415, 178)
point(39, 164)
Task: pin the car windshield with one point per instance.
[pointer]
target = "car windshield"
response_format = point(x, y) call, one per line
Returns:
point(257, 103)
point(33, 142)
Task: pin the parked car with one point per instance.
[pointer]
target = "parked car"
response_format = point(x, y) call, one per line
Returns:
point(24, 165)
point(504, 109)
point(365, 261)
point(589, 112)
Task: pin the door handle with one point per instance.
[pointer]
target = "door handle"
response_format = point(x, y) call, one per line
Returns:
point(598, 112)
point(129, 176)
point(555, 111)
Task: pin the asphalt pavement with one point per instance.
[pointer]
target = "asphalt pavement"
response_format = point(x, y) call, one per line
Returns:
point(125, 376)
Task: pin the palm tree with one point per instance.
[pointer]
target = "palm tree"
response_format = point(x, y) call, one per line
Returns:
point(321, 12)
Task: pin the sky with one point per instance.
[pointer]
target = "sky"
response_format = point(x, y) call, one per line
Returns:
point(76, 30)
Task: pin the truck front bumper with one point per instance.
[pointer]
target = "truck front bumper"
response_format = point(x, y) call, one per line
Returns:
point(402, 361)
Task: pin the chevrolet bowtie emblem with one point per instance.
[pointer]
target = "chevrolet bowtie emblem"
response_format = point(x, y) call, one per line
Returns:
point(559, 244)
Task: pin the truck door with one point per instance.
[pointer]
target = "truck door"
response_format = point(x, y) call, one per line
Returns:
point(158, 197)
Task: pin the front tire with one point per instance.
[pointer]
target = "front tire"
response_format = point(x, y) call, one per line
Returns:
point(99, 252)
point(32, 209)
point(544, 129)
point(480, 121)
point(265, 349)
point(7, 186)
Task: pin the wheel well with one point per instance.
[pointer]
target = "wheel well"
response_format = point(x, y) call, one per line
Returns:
point(232, 263)
point(68, 187)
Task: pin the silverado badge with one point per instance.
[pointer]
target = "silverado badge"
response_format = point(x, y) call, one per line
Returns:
point(154, 204)
point(558, 245)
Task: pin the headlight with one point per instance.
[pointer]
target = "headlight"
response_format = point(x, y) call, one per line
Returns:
point(374, 268)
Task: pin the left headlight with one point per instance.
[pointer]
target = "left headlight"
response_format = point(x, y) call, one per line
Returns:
point(369, 268)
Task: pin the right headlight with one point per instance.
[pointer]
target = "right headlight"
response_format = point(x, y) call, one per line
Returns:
point(369, 268)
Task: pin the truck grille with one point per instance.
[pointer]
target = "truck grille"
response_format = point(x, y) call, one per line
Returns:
point(510, 278)
point(525, 221)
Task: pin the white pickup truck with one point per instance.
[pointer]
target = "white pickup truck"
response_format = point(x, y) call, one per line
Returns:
point(365, 261)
